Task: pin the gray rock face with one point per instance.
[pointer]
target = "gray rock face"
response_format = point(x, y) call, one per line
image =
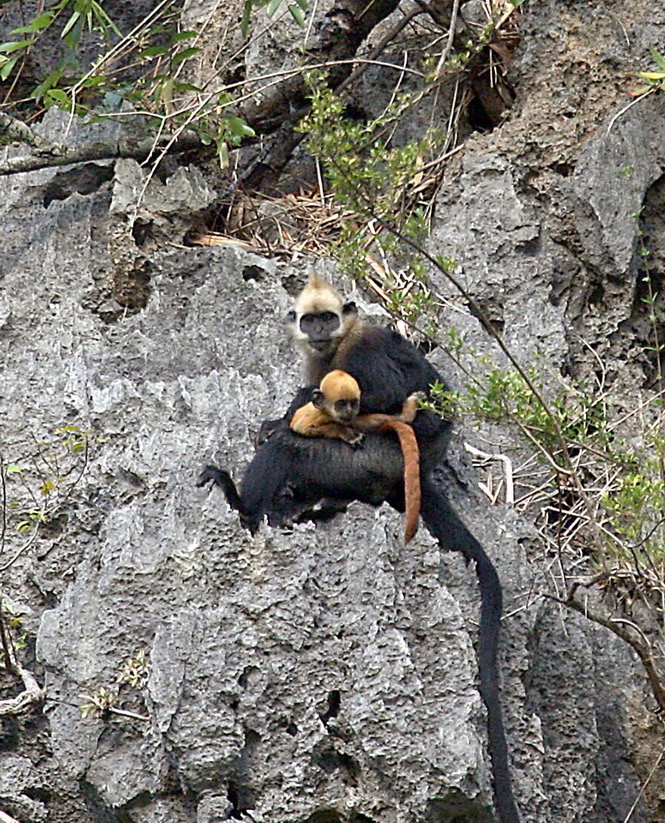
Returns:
point(326, 674)
point(288, 674)
point(322, 674)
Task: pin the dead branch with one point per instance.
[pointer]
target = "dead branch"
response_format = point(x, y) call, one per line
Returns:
point(641, 647)
point(32, 692)
point(64, 156)
point(343, 30)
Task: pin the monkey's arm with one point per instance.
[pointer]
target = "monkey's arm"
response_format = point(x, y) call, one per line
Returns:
point(311, 422)
point(388, 369)
point(371, 422)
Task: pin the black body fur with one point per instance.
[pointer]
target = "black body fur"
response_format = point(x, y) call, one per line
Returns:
point(290, 476)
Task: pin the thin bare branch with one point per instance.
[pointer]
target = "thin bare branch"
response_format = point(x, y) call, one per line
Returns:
point(90, 152)
point(641, 647)
point(32, 692)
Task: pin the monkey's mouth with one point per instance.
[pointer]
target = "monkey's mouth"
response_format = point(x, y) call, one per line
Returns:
point(319, 345)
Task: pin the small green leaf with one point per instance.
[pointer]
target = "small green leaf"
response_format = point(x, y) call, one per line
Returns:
point(57, 96)
point(7, 67)
point(298, 16)
point(103, 19)
point(93, 82)
point(70, 24)
point(188, 87)
point(47, 487)
point(8, 48)
point(13, 468)
point(302, 4)
point(181, 56)
point(184, 35)
point(39, 23)
point(154, 51)
point(238, 127)
point(658, 58)
point(273, 5)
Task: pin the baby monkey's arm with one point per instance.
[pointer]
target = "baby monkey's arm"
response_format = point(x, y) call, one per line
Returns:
point(371, 422)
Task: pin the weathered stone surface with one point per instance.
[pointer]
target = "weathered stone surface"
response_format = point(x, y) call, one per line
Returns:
point(17, 779)
point(326, 674)
point(323, 669)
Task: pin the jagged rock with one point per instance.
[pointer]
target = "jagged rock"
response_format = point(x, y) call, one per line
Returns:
point(325, 674)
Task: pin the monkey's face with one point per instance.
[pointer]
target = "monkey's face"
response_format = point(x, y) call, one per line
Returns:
point(341, 409)
point(344, 410)
point(320, 331)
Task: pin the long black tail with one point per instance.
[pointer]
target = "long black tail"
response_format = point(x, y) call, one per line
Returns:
point(446, 526)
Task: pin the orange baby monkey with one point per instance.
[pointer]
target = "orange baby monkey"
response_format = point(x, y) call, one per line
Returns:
point(334, 412)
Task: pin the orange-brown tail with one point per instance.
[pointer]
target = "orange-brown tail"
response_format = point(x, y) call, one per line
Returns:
point(411, 453)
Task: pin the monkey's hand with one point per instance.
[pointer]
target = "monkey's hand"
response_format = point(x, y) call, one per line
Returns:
point(410, 407)
point(354, 438)
point(418, 396)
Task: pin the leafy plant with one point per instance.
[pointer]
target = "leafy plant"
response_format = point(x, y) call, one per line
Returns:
point(598, 494)
point(654, 80)
point(135, 671)
point(75, 17)
point(106, 700)
point(297, 10)
point(99, 702)
point(140, 72)
point(376, 184)
point(48, 475)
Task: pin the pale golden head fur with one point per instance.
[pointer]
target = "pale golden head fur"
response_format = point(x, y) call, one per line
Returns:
point(318, 296)
point(339, 385)
point(320, 323)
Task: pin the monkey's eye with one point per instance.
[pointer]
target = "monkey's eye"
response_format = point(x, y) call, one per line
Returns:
point(320, 325)
point(345, 407)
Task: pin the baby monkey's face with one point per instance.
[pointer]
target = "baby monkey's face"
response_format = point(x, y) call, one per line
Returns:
point(345, 409)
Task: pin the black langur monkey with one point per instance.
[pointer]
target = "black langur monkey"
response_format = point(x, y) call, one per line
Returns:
point(334, 412)
point(290, 475)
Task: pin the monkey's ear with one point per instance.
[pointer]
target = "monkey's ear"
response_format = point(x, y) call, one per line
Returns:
point(350, 308)
point(291, 317)
point(318, 398)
